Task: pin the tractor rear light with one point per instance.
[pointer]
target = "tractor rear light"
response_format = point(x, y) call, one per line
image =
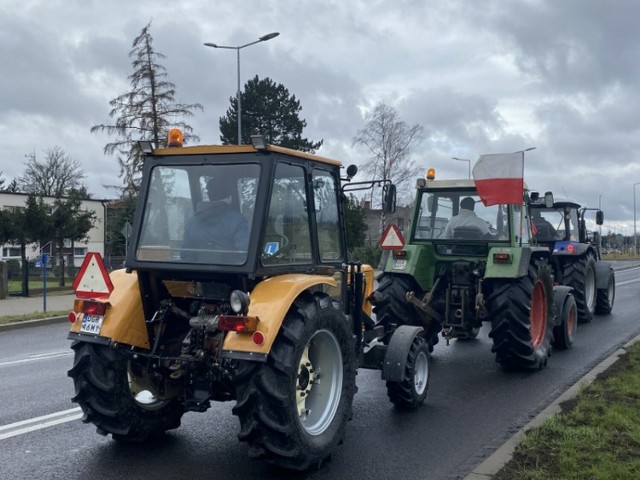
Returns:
point(258, 338)
point(501, 258)
point(571, 249)
point(72, 317)
point(399, 254)
point(90, 307)
point(237, 323)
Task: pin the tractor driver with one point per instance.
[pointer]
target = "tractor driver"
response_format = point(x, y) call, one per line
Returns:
point(216, 225)
point(466, 218)
point(543, 228)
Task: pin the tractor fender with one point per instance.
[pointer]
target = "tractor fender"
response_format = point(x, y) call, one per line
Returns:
point(560, 293)
point(395, 360)
point(603, 271)
point(271, 299)
point(517, 266)
point(124, 317)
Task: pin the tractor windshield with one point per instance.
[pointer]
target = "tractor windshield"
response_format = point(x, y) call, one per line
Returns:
point(199, 214)
point(459, 215)
point(555, 223)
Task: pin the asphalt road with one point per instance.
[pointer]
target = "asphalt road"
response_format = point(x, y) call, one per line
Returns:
point(472, 408)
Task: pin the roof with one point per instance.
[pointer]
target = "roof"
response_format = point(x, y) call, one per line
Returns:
point(230, 149)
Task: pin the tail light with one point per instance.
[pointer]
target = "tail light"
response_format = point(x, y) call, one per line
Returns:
point(237, 323)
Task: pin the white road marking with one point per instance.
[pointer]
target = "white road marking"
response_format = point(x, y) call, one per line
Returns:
point(38, 423)
point(41, 356)
point(627, 282)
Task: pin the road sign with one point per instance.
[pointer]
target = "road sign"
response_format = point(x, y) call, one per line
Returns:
point(92, 280)
point(392, 238)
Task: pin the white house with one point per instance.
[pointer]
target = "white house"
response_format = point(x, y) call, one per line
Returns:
point(95, 238)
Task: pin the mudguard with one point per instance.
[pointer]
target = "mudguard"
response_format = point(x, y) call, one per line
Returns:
point(395, 360)
point(270, 302)
point(560, 293)
point(603, 271)
point(124, 318)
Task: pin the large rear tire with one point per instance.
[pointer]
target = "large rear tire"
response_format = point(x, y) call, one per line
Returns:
point(520, 312)
point(580, 274)
point(606, 296)
point(393, 308)
point(410, 392)
point(115, 396)
point(293, 409)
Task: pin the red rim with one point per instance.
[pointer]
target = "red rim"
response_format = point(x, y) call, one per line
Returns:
point(538, 317)
point(571, 321)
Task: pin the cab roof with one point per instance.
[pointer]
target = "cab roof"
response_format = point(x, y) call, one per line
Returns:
point(230, 149)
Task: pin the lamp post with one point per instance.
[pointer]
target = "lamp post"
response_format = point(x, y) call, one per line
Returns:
point(635, 238)
point(264, 38)
point(468, 164)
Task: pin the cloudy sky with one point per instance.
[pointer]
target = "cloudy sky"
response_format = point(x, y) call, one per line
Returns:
point(480, 76)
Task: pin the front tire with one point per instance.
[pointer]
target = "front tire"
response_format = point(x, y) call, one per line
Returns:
point(520, 312)
point(580, 274)
point(410, 392)
point(564, 334)
point(114, 396)
point(606, 296)
point(293, 409)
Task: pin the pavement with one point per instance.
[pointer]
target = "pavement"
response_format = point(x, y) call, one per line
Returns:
point(37, 305)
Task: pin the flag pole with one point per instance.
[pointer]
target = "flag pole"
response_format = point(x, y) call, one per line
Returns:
point(523, 204)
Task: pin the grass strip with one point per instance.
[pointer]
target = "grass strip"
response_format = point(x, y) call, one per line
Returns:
point(595, 436)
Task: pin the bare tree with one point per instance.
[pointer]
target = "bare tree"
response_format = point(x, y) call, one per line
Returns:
point(55, 176)
point(389, 141)
point(146, 112)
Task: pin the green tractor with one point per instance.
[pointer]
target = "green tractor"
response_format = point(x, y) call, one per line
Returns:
point(576, 258)
point(465, 263)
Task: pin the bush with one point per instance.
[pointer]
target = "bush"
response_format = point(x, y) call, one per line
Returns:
point(369, 255)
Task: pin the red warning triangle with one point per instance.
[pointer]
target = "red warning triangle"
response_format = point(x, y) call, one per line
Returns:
point(392, 238)
point(92, 280)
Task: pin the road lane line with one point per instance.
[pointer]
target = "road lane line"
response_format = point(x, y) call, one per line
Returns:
point(34, 358)
point(628, 282)
point(38, 423)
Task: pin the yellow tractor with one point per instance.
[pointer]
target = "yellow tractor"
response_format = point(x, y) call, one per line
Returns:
point(237, 287)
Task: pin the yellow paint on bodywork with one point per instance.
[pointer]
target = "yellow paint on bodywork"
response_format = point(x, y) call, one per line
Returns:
point(124, 319)
point(270, 302)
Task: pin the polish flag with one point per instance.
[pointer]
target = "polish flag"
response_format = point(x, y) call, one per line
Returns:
point(499, 178)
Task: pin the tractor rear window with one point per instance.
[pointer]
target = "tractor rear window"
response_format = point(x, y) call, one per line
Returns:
point(459, 215)
point(199, 214)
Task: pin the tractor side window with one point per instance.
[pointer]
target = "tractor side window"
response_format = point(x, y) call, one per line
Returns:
point(287, 239)
point(325, 201)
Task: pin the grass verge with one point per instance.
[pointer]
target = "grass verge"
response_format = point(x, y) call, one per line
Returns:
point(596, 435)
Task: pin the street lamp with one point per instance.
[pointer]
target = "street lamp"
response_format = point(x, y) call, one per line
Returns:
point(264, 38)
point(464, 160)
point(635, 238)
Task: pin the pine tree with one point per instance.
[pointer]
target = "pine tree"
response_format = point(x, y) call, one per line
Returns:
point(267, 109)
point(146, 112)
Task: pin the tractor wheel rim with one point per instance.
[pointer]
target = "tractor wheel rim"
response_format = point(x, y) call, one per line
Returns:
point(421, 373)
point(590, 289)
point(538, 316)
point(319, 382)
point(571, 323)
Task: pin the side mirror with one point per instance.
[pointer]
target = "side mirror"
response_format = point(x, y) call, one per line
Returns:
point(389, 198)
point(599, 217)
point(548, 199)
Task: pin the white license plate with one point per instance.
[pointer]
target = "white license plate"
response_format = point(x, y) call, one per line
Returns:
point(400, 265)
point(91, 323)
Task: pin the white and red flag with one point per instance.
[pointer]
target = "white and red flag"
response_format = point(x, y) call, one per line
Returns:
point(499, 178)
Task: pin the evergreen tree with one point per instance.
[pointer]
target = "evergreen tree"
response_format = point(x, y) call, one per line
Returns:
point(354, 222)
point(267, 109)
point(147, 112)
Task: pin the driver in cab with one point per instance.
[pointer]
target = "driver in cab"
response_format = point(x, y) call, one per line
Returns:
point(466, 218)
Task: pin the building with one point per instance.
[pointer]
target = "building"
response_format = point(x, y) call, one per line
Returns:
point(95, 238)
point(400, 219)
